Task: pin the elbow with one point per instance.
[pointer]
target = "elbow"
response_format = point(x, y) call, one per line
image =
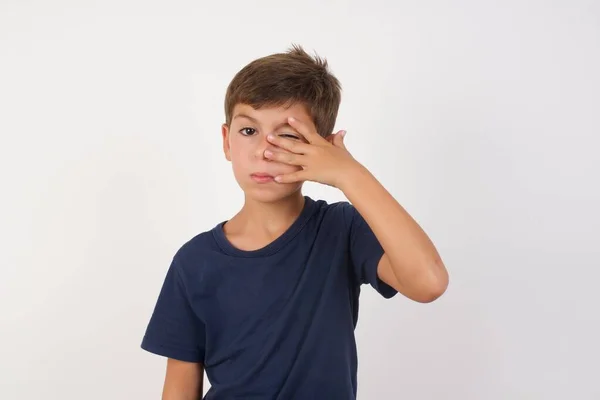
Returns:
point(432, 293)
point(434, 286)
point(427, 283)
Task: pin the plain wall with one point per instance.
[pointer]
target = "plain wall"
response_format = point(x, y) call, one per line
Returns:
point(482, 118)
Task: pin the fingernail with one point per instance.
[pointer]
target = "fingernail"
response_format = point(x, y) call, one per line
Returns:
point(291, 119)
point(268, 153)
point(270, 136)
point(343, 133)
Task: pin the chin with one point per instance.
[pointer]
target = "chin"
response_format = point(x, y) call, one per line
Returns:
point(271, 194)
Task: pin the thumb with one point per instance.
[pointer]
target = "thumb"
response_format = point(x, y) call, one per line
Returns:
point(338, 139)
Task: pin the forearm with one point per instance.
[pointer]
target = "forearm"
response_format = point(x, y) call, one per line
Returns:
point(413, 257)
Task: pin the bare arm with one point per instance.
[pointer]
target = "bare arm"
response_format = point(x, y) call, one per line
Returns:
point(411, 263)
point(183, 380)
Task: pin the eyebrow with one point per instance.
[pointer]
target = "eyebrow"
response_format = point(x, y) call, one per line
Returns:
point(281, 125)
point(245, 116)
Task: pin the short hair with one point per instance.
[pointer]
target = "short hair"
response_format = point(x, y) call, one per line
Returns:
point(284, 79)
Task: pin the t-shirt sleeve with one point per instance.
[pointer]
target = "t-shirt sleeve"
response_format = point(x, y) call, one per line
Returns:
point(174, 330)
point(365, 253)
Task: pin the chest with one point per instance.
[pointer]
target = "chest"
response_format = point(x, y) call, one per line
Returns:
point(236, 296)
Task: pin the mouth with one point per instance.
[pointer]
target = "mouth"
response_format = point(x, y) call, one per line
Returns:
point(262, 177)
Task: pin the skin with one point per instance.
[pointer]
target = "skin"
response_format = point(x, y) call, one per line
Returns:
point(283, 142)
point(269, 208)
point(183, 380)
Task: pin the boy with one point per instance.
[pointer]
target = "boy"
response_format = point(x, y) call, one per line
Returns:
point(266, 303)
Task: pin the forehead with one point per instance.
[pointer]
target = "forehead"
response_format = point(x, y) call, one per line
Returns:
point(270, 115)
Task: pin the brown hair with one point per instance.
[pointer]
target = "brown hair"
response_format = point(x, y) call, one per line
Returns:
point(284, 79)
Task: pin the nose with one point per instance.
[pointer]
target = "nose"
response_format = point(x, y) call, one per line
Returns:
point(262, 147)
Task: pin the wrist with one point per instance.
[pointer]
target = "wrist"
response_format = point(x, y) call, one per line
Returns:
point(352, 177)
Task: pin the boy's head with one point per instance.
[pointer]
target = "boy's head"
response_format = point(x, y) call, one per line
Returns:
point(258, 101)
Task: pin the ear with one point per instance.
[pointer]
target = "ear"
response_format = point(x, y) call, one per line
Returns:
point(226, 148)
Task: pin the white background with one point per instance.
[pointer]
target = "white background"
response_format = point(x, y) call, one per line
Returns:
point(481, 117)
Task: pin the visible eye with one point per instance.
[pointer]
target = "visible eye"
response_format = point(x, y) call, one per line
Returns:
point(290, 136)
point(247, 131)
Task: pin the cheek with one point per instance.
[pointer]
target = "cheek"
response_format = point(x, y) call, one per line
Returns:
point(239, 153)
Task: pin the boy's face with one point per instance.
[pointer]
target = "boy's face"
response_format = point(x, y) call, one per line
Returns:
point(245, 142)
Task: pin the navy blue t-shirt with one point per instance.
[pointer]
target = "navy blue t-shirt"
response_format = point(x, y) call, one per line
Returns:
point(273, 323)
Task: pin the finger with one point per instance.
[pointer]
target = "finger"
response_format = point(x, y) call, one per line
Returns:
point(292, 145)
point(309, 133)
point(299, 176)
point(284, 157)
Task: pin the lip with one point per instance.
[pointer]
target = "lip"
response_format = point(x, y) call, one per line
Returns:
point(262, 177)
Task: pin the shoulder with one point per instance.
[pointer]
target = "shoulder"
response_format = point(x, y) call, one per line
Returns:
point(197, 250)
point(342, 208)
point(337, 215)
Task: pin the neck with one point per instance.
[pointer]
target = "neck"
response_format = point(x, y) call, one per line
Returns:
point(266, 219)
point(272, 217)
